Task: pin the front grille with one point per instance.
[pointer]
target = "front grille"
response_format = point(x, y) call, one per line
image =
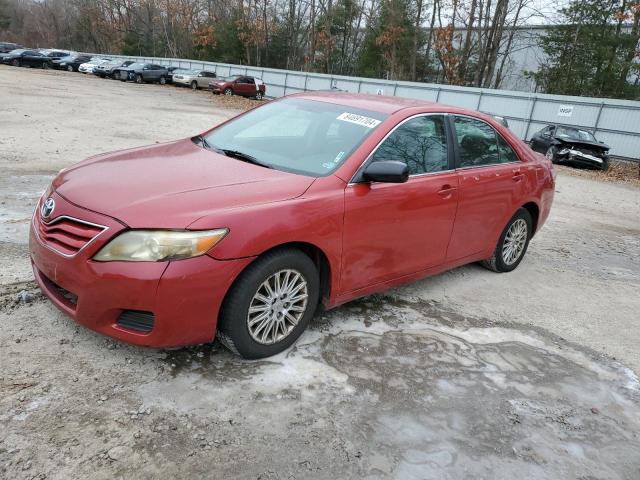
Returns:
point(67, 235)
point(136, 320)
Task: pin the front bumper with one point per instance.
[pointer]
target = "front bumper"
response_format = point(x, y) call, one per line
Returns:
point(576, 156)
point(182, 81)
point(184, 296)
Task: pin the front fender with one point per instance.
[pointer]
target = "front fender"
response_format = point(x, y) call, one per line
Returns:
point(315, 218)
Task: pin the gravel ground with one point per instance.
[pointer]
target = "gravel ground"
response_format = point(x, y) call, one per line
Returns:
point(468, 374)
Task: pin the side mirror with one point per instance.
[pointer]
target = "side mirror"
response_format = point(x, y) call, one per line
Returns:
point(387, 172)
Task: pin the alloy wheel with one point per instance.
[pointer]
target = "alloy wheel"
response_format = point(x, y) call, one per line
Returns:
point(277, 306)
point(514, 241)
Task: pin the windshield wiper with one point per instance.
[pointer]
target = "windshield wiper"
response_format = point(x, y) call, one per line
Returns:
point(245, 157)
point(201, 141)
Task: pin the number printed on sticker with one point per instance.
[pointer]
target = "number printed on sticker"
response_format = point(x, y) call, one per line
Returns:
point(358, 119)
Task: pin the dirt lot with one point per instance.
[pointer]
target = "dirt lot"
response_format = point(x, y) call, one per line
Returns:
point(468, 374)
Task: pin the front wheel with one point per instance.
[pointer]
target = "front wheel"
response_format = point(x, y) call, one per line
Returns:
point(605, 165)
point(512, 244)
point(228, 91)
point(194, 85)
point(259, 96)
point(69, 68)
point(15, 63)
point(163, 80)
point(552, 154)
point(46, 66)
point(139, 79)
point(270, 304)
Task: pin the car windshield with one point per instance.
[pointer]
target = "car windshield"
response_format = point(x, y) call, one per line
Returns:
point(574, 134)
point(295, 135)
point(231, 78)
point(18, 50)
point(136, 65)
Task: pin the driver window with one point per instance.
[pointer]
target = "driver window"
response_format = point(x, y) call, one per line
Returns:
point(420, 142)
point(477, 142)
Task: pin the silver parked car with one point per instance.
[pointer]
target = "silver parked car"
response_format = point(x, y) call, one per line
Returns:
point(193, 78)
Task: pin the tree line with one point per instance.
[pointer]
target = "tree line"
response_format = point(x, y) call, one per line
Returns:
point(458, 42)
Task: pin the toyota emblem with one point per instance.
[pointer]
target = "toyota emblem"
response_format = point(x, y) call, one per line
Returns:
point(47, 207)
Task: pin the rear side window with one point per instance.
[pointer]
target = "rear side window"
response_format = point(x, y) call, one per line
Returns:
point(505, 151)
point(420, 142)
point(477, 142)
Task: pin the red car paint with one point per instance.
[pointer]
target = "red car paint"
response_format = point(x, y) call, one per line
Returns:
point(373, 235)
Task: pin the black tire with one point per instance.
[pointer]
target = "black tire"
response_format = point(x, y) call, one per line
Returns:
point(15, 62)
point(46, 65)
point(497, 262)
point(69, 68)
point(233, 329)
point(139, 79)
point(194, 85)
point(228, 91)
point(259, 96)
point(552, 154)
point(605, 165)
point(163, 80)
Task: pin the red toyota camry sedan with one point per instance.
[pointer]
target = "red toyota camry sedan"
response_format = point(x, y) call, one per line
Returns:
point(319, 198)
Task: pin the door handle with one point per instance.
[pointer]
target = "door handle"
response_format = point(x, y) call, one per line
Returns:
point(446, 190)
point(517, 175)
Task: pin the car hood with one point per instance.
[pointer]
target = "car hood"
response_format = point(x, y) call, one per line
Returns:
point(172, 185)
point(583, 143)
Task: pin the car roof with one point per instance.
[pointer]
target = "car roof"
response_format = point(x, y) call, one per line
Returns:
point(380, 103)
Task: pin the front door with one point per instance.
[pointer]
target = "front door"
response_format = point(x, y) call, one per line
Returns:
point(391, 230)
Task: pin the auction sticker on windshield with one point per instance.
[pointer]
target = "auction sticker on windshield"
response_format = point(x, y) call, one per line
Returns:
point(358, 119)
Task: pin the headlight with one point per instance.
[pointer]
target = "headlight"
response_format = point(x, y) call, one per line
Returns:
point(159, 245)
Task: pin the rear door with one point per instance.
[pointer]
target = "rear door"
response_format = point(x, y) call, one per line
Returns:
point(395, 229)
point(204, 78)
point(245, 86)
point(151, 72)
point(541, 141)
point(29, 58)
point(491, 179)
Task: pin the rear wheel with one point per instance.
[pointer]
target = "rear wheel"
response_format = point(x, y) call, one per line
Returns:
point(46, 66)
point(228, 91)
point(270, 304)
point(194, 85)
point(163, 80)
point(69, 68)
point(512, 244)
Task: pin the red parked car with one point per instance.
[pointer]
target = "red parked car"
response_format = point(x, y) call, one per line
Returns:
point(239, 85)
point(318, 198)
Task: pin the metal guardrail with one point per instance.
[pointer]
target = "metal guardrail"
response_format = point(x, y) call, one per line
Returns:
point(616, 122)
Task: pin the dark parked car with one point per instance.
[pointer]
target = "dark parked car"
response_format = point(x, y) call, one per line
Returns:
point(70, 62)
point(26, 58)
point(239, 85)
point(144, 72)
point(55, 54)
point(111, 69)
point(571, 145)
point(6, 47)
